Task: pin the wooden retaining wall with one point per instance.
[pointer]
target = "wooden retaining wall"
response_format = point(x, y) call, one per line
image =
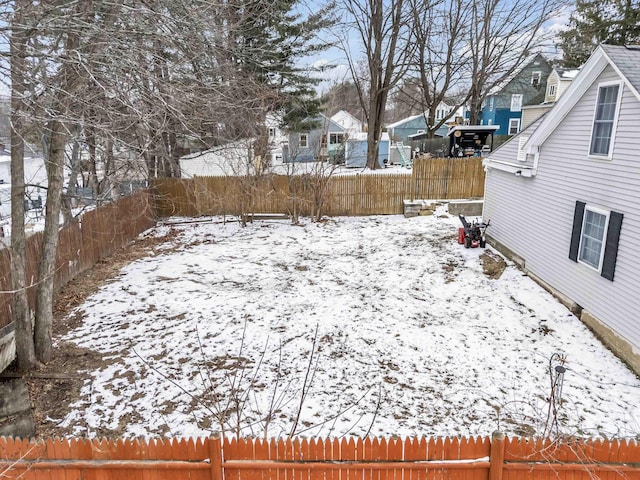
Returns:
point(497, 458)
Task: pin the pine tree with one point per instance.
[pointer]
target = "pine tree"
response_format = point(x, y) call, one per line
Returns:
point(615, 22)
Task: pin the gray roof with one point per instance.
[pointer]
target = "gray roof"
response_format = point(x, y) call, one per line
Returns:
point(627, 59)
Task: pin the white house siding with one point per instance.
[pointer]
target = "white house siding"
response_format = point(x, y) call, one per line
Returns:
point(533, 216)
point(562, 86)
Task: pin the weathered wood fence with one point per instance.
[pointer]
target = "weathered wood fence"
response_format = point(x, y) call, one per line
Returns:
point(98, 234)
point(497, 458)
point(361, 194)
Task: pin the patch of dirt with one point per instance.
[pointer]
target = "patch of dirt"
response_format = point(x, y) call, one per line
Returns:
point(57, 384)
point(492, 264)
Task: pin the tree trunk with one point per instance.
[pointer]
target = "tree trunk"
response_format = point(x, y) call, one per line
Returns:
point(93, 171)
point(25, 349)
point(47, 267)
point(374, 132)
point(58, 133)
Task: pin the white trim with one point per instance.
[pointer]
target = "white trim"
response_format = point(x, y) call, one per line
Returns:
point(605, 213)
point(601, 85)
point(517, 126)
point(552, 90)
point(522, 154)
point(516, 102)
point(536, 74)
point(517, 169)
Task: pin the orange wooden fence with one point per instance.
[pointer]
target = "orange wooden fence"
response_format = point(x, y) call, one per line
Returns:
point(353, 459)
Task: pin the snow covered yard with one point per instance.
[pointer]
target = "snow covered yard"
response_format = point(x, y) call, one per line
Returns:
point(354, 326)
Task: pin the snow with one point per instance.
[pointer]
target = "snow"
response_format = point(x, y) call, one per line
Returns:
point(379, 326)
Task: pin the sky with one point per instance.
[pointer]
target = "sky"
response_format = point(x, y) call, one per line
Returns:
point(334, 66)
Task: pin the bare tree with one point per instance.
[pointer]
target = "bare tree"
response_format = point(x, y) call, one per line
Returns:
point(20, 33)
point(381, 26)
point(500, 39)
point(439, 33)
point(138, 79)
point(70, 80)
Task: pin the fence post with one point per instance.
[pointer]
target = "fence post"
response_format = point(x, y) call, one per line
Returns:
point(215, 454)
point(496, 459)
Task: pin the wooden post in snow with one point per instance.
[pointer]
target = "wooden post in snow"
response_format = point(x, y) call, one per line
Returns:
point(215, 455)
point(496, 459)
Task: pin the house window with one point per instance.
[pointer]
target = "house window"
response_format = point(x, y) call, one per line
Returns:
point(535, 79)
point(552, 90)
point(604, 120)
point(336, 138)
point(491, 103)
point(594, 239)
point(304, 140)
point(514, 126)
point(272, 132)
point(516, 102)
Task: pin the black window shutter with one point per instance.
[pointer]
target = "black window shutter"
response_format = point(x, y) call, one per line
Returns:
point(611, 246)
point(578, 214)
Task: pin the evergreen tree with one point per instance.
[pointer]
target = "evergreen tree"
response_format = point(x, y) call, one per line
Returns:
point(615, 22)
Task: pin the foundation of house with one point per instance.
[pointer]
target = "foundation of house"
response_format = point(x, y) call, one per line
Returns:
point(614, 342)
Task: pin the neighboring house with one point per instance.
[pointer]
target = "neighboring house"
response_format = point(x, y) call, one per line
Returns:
point(275, 133)
point(557, 83)
point(407, 128)
point(34, 174)
point(350, 123)
point(564, 198)
point(321, 143)
point(503, 105)
point(231, 159)
point(355, 153)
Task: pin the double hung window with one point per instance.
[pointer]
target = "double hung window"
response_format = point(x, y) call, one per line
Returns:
point(604, 120)
point(595, 237)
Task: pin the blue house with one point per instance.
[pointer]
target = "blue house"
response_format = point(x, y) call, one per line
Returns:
point(355, 151)
point(503, 105)
point(401, 130)
point(321, 143)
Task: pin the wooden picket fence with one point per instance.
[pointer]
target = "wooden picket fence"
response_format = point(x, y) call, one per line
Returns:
point(98, 234)
point(361, 194)
point(498, 458)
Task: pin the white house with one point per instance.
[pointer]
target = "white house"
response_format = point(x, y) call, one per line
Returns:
point(231, 159)
point(563, 197)
point(557, 83)
point(350, 123)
